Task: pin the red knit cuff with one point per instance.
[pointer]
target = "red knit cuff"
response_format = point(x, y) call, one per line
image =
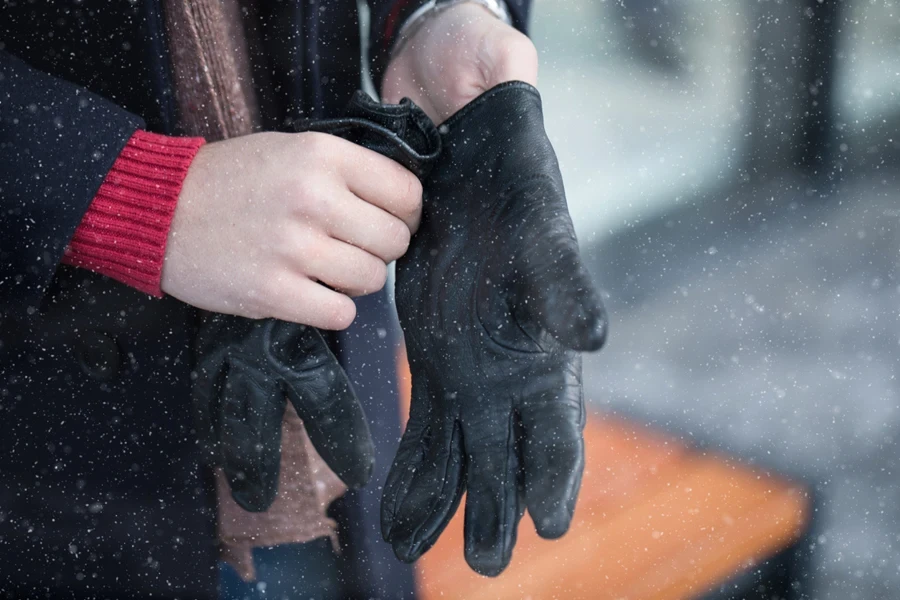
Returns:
point(124, 231)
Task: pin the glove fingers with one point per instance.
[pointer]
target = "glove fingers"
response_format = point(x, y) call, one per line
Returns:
point(409, 458)
point(492, 500)
point(337, 428)
point(333, 417)
point(558, 292)
point(553, 457)
point(207, 407)
point(432, 496)
point(252, 412)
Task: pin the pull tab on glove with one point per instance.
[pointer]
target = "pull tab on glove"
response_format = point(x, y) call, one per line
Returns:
point(248, 369)
point(495, 305)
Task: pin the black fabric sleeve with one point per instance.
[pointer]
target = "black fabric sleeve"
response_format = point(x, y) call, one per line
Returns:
point(520, 11)
point(387, 16)
point(57, 143)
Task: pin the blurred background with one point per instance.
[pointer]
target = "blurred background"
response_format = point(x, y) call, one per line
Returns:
point(731, 168)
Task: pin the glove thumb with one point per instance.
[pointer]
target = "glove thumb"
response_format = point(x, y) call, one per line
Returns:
point(556, 291)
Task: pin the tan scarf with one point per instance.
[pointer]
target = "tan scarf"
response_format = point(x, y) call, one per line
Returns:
point(216, 100)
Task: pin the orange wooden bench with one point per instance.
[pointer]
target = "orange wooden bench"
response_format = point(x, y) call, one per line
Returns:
point(655, 520)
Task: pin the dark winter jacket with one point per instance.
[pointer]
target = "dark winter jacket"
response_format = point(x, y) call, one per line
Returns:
point(101, 492)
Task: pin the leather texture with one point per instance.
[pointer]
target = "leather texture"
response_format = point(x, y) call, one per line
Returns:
point(248, 369)
point(402, 132)
point(495, 305)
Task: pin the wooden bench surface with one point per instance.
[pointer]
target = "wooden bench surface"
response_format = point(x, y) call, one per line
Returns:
point(655, 520)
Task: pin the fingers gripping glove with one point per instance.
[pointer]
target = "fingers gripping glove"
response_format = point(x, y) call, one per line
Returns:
point(248, 369)
point(495, 304)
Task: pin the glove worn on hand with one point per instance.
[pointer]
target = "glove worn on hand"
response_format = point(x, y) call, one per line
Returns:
point(495, 303)
point(247, 368)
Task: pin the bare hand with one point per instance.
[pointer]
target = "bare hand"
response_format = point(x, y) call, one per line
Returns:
point(265, 222)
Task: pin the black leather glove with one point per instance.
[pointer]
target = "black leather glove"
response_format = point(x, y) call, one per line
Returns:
point(247, 371)
point(495, 303)
point(247, 368)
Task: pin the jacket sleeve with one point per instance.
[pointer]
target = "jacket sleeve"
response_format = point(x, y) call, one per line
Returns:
point(387, 16)
point(57, 143)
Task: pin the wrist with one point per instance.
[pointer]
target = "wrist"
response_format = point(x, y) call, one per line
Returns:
point(454, 57)
point(188, 212)
point(433, 8)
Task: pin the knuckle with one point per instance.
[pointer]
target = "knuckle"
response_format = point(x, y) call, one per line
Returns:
point(516, 44)
point(317, 143)
point(311, 200)
point(516, 56)
point(523, 47)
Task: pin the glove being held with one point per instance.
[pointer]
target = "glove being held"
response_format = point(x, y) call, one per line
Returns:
point(495, 305)
point(247, 368)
